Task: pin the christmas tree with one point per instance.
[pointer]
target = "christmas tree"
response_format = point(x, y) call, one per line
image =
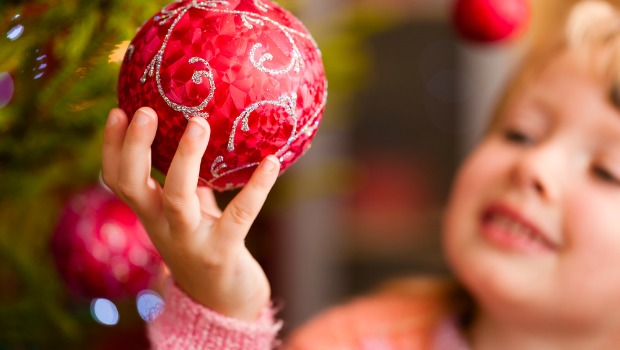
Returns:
point(59, 64)
point(58, 72)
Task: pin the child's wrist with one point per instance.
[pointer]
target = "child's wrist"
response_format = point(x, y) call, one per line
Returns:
point(247, 312)
point(201, 326)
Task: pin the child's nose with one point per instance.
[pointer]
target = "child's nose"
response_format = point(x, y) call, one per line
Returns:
point(540, 170)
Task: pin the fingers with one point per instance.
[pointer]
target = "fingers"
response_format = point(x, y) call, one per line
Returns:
point(113, 136)
point(134, 183)
point(208, 204)
point(181, 202)
point(243, 209)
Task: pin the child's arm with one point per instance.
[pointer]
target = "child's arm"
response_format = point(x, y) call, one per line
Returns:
point(202, 246)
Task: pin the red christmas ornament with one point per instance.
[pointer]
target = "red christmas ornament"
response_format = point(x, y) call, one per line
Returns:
point(101, 249)
point(488, 21)
point(248, 66)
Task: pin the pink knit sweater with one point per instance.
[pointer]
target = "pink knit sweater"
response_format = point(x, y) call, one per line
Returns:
point(385, 321)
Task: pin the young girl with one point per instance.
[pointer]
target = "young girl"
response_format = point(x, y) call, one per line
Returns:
point(532, 228)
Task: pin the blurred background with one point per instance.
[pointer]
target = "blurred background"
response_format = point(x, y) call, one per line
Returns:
point(407, 100)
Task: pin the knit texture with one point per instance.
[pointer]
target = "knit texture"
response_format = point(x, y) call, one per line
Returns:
point(187, 325)
point(409, 317)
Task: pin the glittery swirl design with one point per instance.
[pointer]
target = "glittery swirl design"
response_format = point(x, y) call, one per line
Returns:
point(260, 64)
point(296, 60)
point(155, 65)
point(261, 6)
point(248, 18)
point(248, 66)
point(286, 102)
point(283, 153)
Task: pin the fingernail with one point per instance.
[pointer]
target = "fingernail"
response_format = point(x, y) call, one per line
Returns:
point(112, 118)
point(194, 129)
point(151, 183)
point(142, 117)
point(271, 163)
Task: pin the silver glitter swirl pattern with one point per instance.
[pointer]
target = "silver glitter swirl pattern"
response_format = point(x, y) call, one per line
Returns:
point(296, 59)
point(261, 6)
point(155, 67)
point(287, 102)
point(282, 154)
point(249, 19)
point(219, 168)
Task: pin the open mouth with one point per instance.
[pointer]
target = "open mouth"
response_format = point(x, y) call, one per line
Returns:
point(507, 229)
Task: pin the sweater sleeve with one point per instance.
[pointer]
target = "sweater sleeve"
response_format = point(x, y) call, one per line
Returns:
point(185, 325)
point(403, 316)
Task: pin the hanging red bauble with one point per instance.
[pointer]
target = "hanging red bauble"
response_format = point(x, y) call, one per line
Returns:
point(101, 249)
point(488, 21)
point(248, 66)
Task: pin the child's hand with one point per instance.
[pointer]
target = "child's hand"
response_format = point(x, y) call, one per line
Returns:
point(202, 246)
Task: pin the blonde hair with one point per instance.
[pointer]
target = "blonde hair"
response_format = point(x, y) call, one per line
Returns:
point(592, 32)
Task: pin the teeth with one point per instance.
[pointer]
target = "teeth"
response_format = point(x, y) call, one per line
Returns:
point(514, 228)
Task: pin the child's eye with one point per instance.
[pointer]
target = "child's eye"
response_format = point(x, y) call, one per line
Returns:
point(516, 136)
point(606, 175)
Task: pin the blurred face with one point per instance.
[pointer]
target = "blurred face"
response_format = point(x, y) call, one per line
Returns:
point(533, 225)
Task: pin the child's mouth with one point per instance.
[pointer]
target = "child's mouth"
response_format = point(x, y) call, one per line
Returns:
point(507, 229)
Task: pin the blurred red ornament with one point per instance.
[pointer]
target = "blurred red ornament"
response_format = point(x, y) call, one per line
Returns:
point(488, 21)
point(101, 249)
point(248, 66)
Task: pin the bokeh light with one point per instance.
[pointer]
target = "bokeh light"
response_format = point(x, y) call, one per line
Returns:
point(7, 88)
point(104, 311)
point(15, 32)
point(150, 305)
point(40, 65)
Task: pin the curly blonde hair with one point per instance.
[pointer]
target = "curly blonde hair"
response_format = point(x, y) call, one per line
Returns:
point(592, 32)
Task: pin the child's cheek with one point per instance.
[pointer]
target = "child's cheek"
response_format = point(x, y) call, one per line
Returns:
point(591, 235)
point(480, 180)
point(465, 202)
point(591, 225)
point(486, 166)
